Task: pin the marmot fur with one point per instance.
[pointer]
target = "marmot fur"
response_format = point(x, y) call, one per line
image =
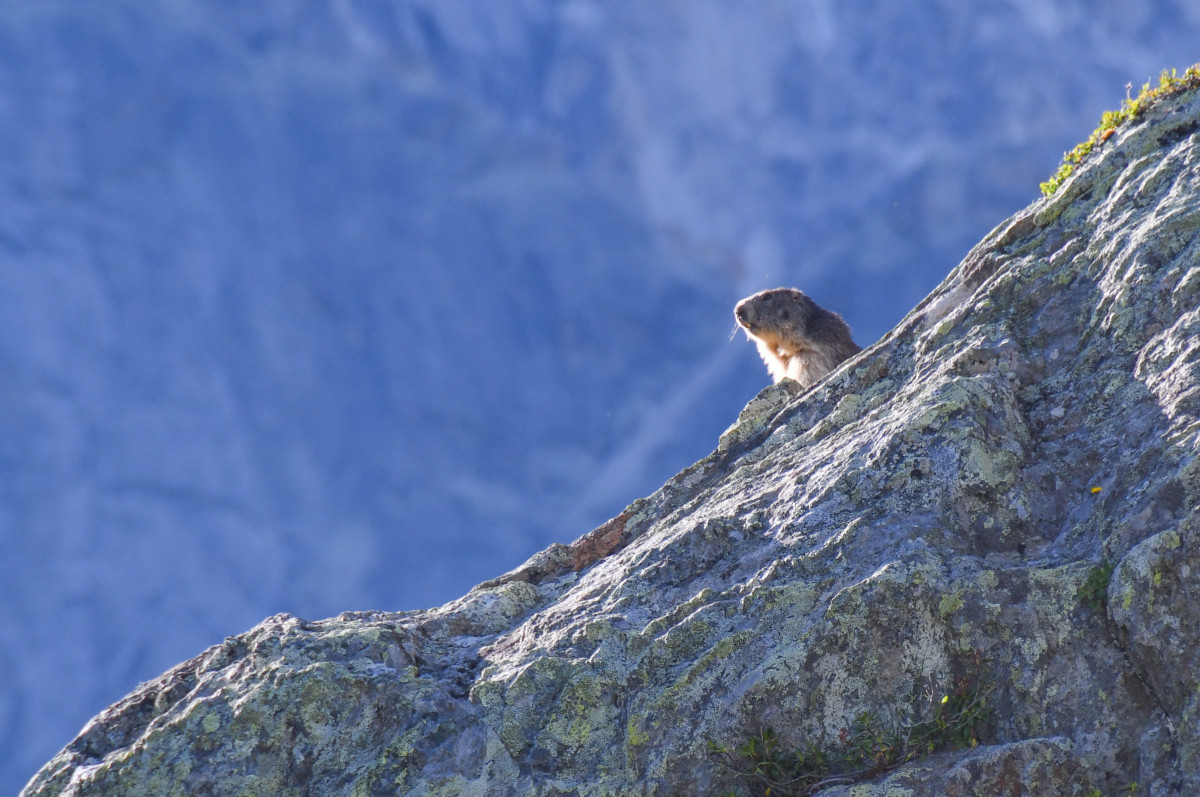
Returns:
point(797, 338)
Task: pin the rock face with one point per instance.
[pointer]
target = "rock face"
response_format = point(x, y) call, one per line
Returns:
point(954, 489)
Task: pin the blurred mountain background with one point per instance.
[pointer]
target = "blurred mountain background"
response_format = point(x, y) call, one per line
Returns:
point(321, 305)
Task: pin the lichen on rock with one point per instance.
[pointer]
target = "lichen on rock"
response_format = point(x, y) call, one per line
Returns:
point(845, 549)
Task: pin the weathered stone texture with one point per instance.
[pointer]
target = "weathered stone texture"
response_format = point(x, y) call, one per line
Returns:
point(950, 490)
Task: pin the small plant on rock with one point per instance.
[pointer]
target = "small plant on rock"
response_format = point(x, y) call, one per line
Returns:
point(1169, 83)
point(1093, 592)
point(867, 749)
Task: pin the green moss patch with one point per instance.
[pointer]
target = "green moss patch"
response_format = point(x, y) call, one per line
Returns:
point(1169, 84)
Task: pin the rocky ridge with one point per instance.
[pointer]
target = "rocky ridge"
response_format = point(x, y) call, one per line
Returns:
point(952, 490)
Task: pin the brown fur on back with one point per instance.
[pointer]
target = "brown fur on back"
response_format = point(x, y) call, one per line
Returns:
point(797, 338)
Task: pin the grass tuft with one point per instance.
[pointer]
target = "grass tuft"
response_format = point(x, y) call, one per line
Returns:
point(1169, 83)
point(867, 749)
point(1093, 593)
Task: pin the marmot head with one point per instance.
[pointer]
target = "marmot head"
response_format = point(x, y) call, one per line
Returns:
point(782, 310)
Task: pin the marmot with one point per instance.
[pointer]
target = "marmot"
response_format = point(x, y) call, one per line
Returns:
point(796, 337)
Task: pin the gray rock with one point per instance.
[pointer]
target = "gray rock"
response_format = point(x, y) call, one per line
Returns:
point(951, 490)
